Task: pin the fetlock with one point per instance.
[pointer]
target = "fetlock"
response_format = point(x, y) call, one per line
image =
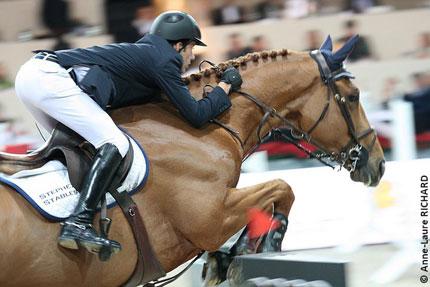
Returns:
point(273, 240)
point(245, 244)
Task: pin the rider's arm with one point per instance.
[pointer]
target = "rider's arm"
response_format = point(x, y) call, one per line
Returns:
point(226, 87)
point(197, 113)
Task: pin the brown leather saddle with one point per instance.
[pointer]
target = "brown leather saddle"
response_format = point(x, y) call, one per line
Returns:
point(77, 154)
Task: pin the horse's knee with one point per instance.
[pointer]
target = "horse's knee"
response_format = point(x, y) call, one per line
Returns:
point(285, 187)
point(286, 196)
point(290, 195)
point(281, 184)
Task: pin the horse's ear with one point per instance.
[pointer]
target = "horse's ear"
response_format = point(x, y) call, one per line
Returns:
point(327, 45)
point(340, 55)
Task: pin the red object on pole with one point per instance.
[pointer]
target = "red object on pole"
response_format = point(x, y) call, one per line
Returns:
point(16, 148)
point(260, 223)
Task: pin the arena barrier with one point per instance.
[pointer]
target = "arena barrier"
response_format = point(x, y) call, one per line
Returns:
point(274, 269)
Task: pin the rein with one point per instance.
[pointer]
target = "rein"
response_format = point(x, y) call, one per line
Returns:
point(166, 281)
point(353, 150)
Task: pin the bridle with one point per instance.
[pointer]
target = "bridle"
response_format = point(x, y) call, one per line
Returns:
point(353, 151)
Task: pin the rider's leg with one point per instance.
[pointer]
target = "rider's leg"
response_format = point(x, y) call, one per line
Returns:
point(78, 230)
point(41, 118)
point(48, 87)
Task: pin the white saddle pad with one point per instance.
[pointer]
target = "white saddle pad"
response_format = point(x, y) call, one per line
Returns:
point(48, 188)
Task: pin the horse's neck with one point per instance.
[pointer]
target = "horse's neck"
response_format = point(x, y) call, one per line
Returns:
point(268, 83)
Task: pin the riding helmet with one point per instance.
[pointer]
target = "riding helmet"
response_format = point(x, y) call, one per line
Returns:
point(177, 25)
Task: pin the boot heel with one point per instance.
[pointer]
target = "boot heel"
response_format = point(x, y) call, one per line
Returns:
point(68, 243)
point(93, 248)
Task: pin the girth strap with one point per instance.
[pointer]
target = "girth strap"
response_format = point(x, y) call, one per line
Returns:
point(147, 267)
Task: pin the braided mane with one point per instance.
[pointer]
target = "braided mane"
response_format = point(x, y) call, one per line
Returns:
point(238, 62)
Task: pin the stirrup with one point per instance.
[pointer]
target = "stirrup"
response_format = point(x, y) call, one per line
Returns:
point(105, 252)
point(91, 241)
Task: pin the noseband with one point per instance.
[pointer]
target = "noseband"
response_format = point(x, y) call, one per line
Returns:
point(353, 151)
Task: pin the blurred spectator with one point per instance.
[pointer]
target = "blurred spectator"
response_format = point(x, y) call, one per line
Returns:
point(423, 50)
point(120, 15)
point(420, 100)
point(270, 9)
point(229, 13)
point(56, 16)
point(4, 82)
point(259, 43)
point(361, 49)
point(61, 44)
point(313, 40)
point(145, 16)
point(390, 91)
point(301, 8)
point(421, 80)
point(360, 6)
point(236, 46)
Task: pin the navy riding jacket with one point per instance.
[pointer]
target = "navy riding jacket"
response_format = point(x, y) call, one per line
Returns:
point(135, 73)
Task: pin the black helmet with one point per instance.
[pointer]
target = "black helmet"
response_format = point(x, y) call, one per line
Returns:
point(177, 25)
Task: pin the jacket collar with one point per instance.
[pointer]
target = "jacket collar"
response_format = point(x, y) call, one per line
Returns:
point(161, 43)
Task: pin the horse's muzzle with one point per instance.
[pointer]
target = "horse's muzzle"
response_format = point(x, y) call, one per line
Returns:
point(371, 173)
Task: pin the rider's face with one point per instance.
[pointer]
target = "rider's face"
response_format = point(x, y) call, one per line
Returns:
point(187, 55)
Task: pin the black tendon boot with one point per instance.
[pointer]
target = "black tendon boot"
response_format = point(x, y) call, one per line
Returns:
point(273, 240)
point(78, 230)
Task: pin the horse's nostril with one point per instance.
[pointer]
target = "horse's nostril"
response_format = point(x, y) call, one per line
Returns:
point(382, 167)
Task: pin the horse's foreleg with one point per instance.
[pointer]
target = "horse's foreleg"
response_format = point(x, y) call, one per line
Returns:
point(275, 194)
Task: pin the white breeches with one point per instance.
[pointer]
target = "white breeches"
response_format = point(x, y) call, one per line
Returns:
point(50, 94)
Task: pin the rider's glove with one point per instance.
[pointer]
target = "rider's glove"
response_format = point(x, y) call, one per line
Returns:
point(232, 77)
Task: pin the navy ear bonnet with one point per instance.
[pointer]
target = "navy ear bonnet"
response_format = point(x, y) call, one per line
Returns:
point(335, 60)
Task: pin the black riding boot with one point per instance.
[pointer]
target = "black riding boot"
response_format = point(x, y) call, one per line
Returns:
point(78, 230)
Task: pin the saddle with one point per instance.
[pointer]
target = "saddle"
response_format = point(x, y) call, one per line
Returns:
point(77, 154)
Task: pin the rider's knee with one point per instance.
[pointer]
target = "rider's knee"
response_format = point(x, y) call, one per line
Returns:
point(122, 144)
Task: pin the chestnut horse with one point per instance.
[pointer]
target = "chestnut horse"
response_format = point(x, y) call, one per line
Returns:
point(190, 202)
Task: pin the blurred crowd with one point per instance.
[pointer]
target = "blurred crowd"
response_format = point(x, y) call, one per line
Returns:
point(418, 97)
point(128, 20)
point(232, 12)
point(314, 38)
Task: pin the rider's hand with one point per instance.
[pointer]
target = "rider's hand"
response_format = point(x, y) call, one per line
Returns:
point(232, 77)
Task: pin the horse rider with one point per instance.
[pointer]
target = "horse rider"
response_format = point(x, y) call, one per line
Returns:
point(76, 86)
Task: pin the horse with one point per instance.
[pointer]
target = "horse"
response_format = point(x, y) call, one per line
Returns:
point(190, 202)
